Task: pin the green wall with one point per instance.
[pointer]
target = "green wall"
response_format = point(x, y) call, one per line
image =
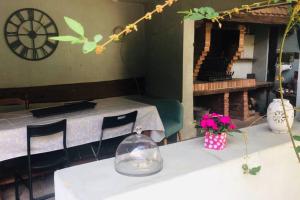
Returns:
point(68, 64)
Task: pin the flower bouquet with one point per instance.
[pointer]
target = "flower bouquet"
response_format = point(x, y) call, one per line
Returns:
point(215, 127)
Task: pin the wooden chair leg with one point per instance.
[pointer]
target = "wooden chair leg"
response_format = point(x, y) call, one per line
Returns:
point(179, 137)
point(165, 141)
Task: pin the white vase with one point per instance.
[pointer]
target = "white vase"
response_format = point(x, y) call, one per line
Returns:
point(276, 118)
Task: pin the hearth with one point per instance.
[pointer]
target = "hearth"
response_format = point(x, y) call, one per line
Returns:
point(212, 76)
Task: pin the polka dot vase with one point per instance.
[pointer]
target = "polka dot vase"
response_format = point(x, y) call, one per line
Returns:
point(215, 141)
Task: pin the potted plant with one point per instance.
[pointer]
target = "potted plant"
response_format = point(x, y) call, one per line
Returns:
point(215, 128)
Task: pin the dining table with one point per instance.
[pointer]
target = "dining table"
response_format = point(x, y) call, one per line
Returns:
point(83, 126)
point(192, 172)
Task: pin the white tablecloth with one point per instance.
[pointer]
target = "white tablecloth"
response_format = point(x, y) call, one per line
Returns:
point(192, 172)
point(82, 127)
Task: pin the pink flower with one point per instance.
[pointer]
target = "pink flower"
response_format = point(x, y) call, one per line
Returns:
point(206, 116)
point(215, 128)
point(215, 115)
point(211, 123)
point(232, 126)
point(203, 123)
point(225, 120)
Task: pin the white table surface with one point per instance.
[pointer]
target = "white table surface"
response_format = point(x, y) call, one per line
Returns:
point(192, 172)
point(82, 127)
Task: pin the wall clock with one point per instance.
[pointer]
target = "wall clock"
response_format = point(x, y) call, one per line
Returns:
point(27, 33)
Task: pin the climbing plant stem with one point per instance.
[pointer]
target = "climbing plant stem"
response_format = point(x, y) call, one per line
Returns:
point(288, 28)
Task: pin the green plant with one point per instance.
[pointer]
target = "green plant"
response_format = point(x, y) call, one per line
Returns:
point(88, 46)
point(200, 13)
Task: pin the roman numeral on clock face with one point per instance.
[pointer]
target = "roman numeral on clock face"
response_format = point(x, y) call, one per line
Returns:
point(50, 44)
point(30, 14)
point(44, 52)
point(20, 17)
point(35, 54)
point(12, 34)
point(16, 44)
point(24, 52)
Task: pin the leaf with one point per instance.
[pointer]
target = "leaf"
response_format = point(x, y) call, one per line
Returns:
point(245, 167)
point(79, 41)
point(184, 12)
point(98, 38)
point(296, 137)
point(65, 38)
point(237, 131)
point(297, 149)
point(89, 47)
point(75, 26)
point(196, 10)
point(196, 16)
point(254, 170)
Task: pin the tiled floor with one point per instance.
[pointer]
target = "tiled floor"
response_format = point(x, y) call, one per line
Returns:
point(43, 185)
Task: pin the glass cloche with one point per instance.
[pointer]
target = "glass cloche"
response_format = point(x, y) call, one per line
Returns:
point(138, 155)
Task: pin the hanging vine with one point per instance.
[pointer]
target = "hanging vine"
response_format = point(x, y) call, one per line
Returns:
point(90, 46)
point(294, 19)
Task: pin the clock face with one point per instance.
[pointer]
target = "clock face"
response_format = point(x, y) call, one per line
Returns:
point(27, 33)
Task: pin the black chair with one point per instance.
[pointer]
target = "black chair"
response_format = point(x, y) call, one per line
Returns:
point(113, 122)
point(44, 161)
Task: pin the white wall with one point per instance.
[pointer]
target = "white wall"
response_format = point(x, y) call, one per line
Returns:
point(243, 67)
point(68, 64)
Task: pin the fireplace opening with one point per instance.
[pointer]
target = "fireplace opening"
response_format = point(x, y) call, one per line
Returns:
point(224, 43)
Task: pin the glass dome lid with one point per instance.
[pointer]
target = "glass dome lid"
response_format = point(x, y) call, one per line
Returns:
point(138, 155)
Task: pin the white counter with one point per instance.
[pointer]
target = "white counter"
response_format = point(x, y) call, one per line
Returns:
point(192, 172)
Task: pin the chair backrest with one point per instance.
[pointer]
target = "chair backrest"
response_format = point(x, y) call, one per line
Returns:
point(34, 131)
point(113, 122)
point(121, 120)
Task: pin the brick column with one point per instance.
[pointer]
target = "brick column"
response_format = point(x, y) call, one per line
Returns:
point(238, 105)
point(245, 105)
point(226, 104)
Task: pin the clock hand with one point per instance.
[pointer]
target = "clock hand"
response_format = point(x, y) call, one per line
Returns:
point(33, 44)
point(31, 25)
point(26, 30)
point(38, 28)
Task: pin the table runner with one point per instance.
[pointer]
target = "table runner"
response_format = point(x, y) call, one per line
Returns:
point(82, 127)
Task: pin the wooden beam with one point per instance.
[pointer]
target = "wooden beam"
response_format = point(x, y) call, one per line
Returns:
point(248, 18)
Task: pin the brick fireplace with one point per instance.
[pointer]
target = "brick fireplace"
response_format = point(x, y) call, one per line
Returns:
point(215, 52)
